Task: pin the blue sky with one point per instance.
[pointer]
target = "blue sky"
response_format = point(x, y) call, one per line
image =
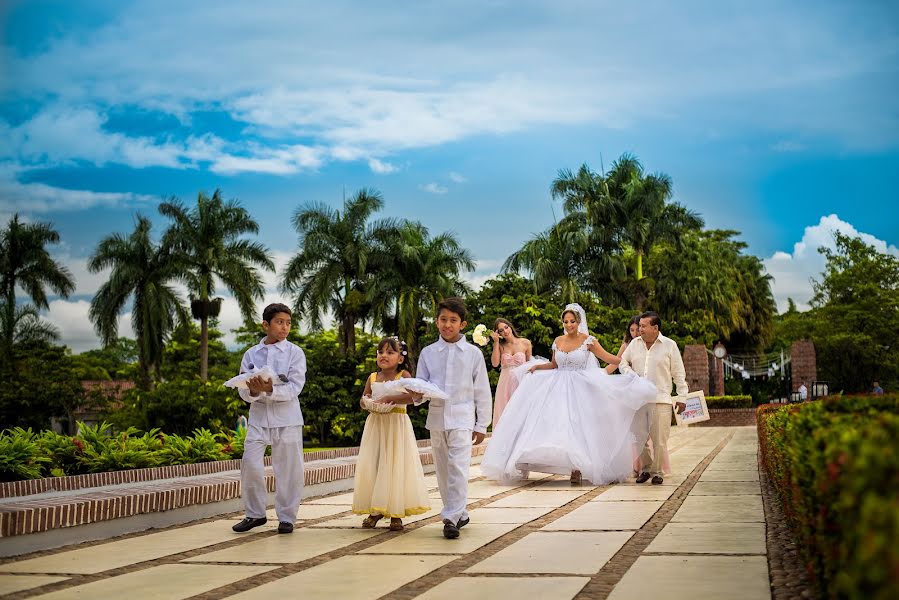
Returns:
point(778, 121)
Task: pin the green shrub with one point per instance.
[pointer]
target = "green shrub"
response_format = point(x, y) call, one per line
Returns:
point(743, 401)
point(204, 446)
point(835, 467)
point(20, 455)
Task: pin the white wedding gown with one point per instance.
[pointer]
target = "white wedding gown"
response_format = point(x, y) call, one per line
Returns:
point(574, 417)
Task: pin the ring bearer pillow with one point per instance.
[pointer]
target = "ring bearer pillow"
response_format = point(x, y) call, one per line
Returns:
point(382, 389)
point(240, 381)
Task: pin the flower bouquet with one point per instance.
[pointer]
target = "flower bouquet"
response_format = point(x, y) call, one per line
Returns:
point(478, 336)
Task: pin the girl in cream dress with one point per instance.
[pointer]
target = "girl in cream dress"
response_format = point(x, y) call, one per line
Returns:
point(389, 480)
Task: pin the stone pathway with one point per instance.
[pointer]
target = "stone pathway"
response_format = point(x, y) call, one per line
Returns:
point(700, 535)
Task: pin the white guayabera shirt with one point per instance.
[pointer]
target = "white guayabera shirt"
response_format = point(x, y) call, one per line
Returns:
point(661, 364)
point(459, 370)
point(281, 406)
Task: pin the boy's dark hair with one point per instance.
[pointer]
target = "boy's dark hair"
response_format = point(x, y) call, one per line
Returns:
point(399, 347)
point(653, 317)
point(272, 309)
point(454, 305)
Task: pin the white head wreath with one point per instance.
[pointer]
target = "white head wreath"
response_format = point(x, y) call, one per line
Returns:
point(579, 310)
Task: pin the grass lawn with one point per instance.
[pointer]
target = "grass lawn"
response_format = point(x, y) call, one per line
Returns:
point(316, 449)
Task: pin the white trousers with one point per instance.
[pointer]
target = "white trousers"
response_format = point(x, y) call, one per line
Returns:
point(287, 463)
point(452, 457)
point(656, 418)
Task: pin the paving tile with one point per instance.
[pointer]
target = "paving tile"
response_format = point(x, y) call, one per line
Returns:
point(300, 545)
point(311, 511)
point(355, 521)
point(710, 538)
point(345, 499)
point(647, 492)
point(750, 475)
point(429, 540)
point(528, 498)
point(95, 559)
point(733, 464)
point(571, 552)
point(358, 577)
point(726, 488)
point(17, 583)
point(165, 581)
point(470, 588)
point(486, 488)
point(606, 515)
point(549, 485)
point(696, 577)
point(488, 514)
point(720, 509)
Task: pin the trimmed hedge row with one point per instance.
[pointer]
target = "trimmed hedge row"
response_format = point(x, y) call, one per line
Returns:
point(729, 401)
point(835, 466)
point(25, 454)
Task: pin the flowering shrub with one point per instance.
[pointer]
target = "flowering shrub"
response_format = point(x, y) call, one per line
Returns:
point(835, 467)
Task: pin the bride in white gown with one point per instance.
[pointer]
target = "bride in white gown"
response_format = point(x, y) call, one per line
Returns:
point(568, 415)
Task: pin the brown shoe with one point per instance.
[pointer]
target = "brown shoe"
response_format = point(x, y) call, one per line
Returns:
point(643, 477)
point(371, 520)
point(396, 524)
point(657, 480)
point(575, 477)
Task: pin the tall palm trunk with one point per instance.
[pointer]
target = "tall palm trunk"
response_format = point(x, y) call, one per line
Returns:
point(639, 265)
point(9, 320)
point(204, 347)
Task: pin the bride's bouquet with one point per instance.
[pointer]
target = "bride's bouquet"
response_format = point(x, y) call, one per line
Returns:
point(478, 336)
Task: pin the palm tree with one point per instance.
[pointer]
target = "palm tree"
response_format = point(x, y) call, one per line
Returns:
point(332, 267)
point(206, 241)
point(142, 271)
point(644, 214)
point(555, 258)
point(416, 271)
point(28, 327)
point(25, 263)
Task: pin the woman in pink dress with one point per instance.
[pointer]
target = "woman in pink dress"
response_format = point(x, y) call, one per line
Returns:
point(509, 351)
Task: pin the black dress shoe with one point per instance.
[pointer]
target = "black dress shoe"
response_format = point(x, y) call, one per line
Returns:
point(248, 524)
point(450, 530)
point(285, 527)
point(657, 480)
point(463, 522)
point(643, 477)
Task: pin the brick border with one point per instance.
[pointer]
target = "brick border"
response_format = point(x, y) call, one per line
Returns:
point(729, 417)
point(34, 515)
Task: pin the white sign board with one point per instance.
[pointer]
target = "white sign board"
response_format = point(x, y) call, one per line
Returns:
point(696, 409)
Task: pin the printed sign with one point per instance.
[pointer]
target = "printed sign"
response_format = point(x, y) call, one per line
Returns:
point(696, 409)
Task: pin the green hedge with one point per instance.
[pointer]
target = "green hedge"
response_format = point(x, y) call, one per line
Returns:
point(835, 466)
point(729, 401)
point(25, 454)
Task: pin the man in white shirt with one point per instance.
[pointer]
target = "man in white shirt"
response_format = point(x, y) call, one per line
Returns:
point(658, 359)
point(275, 420)
point(459, 369)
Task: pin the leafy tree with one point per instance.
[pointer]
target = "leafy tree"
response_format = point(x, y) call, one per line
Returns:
point(415, 271)
point(117, 361)
point(207, 243)
point(143, 272)
point(42, 385)
point(854, 319)
point(25, 263)
point(333, 264)
point(181, 356)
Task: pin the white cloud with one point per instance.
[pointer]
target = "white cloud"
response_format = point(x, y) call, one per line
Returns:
point(792, 272)
point(457, 178)
point(391, 79)
point(77, 331)
point(433, 188)
point(381, 167)
point(42, 198)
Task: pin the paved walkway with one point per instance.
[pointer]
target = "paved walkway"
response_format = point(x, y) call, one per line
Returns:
point(700, 535)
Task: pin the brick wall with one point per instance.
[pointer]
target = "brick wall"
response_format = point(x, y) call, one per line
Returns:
point(804, 364)
point(696, 363)
point(729, 417)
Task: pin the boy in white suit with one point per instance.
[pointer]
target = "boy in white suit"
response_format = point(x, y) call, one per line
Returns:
point(458, 368)
point(275, 420)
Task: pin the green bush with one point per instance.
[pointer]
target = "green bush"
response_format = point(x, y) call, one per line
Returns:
point(20, 455)
point(204, 446)
point(835, 467)
point(743, 401)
